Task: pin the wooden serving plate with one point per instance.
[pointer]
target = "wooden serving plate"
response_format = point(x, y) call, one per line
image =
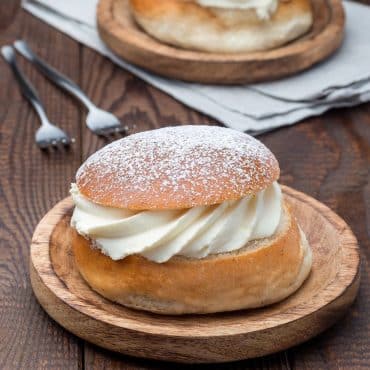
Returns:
point(330, 289)
point(119, 31)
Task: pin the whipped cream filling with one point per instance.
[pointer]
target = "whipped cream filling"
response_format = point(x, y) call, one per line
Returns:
point(196, 232)
point(263, 8)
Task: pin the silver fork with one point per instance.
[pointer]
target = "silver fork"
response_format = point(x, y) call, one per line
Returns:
point(48, 134)
point(98, 120)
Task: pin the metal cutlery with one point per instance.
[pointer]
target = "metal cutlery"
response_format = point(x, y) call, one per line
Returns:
point(48, 135)
point(98, 120)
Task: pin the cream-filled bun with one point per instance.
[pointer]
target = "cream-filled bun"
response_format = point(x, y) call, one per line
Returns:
point(186, 219)
point(224, 26)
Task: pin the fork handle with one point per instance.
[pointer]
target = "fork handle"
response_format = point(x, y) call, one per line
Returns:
point(52, 74)
point(25, 85)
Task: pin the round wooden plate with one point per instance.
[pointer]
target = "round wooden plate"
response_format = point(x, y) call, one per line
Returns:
point(119, 31)
point(324, 297)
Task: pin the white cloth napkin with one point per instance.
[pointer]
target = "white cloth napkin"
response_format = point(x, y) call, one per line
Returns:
point(342, 80)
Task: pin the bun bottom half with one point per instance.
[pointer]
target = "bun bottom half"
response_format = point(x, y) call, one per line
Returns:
point(265, 271)
point(221, 30)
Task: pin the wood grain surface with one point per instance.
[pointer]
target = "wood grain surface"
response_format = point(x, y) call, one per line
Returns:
point(325, 296)
point(120, 32)
point(327, 157)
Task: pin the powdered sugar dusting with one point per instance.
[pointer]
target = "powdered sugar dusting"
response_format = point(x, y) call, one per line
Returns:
point(177, 167)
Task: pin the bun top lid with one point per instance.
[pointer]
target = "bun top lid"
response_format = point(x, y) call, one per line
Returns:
point(177, 167)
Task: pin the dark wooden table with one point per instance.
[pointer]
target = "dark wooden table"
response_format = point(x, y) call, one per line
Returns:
point(327, 157)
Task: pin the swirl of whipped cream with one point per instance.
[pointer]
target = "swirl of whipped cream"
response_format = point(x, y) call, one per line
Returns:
point(263, 8)
point(196, 232)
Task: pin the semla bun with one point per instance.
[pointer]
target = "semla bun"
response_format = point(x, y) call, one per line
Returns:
point(184, 167)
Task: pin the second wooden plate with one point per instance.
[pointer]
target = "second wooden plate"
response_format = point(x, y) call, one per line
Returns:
point(330, 289)
point(120, 32)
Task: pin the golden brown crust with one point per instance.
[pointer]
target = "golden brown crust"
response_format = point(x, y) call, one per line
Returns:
point(264, 272)
point(187, 24)
point(177, 167)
